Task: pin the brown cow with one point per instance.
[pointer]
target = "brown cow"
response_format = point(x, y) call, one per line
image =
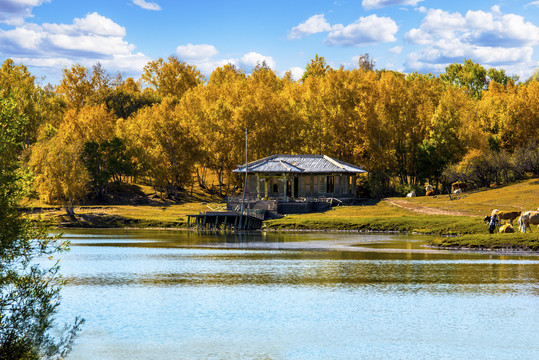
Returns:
point(506, 215)
point(529, 217)
point(507, 228)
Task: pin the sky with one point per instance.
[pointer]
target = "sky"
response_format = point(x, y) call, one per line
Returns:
point(404, 35)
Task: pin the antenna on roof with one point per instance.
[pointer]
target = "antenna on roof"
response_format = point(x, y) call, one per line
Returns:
point(245, 183)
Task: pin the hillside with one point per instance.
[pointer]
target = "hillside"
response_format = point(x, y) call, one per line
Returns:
point(522, 196)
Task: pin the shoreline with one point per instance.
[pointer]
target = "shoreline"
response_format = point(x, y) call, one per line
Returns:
point(472, 249)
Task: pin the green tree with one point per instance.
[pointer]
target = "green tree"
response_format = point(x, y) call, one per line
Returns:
point(106, 161)
point(470, 75)
point(29, 292)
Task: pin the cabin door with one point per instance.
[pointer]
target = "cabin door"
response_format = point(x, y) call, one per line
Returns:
point(292, 187)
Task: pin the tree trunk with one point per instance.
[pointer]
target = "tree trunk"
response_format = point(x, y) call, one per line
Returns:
point(70, 210)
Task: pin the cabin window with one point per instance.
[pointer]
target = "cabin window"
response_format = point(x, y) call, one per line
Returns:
point(322, 187)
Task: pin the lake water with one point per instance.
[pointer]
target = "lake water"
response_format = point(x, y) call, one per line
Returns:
point(179, 295)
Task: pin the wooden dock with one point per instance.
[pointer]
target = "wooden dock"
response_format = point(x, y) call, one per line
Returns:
point(223, 221)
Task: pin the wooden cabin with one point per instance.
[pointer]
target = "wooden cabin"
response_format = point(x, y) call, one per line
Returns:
point(290, 177)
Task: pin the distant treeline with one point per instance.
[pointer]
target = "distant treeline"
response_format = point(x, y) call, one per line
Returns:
point(173, 126)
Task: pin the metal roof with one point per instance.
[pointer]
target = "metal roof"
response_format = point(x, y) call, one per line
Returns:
point(299, 164)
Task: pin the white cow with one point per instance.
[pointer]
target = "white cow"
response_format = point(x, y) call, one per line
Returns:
point(529, 217)
point(411, 194)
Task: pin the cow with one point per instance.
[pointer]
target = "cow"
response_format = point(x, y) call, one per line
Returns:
point(529, 217)
point(429, 188)
point(506, 215)
point(507, 228)
point(411, 194)
point(430, 193)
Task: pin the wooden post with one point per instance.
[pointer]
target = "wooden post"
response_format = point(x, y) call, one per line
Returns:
point(285, 181)
point(257, 186)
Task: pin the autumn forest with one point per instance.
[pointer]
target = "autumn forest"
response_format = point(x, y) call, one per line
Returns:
point(173, 127)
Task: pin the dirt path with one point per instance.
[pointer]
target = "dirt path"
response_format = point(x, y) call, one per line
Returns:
point(424, 209)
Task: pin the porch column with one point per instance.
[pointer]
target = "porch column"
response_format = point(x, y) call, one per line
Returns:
point(354, 185)
point(312, 186)
point(257, 186)
point(265, 188)
point(285, 181)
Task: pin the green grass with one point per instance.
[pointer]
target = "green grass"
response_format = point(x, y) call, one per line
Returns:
point(515, 241)
point(379, 216)
point(521, 196)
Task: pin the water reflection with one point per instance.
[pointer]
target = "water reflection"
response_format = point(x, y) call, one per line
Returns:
point(179, 295)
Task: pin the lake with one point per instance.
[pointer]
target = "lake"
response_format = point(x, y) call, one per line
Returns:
point(181, 295)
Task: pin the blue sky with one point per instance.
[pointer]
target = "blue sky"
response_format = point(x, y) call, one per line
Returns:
point(403, 35)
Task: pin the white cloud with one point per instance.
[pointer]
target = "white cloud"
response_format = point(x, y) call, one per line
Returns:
point(13, 12)
point(366, 30)
point(196, 52)
point(476, 27)
point(253, 59)
point(490, 38)
point(396, 49)
point(421, 9)
point(533, 3)
point(147, 5)
point(313, 25)
point(86, 41)
point(297, 72)
point(376, 4)
point(92, 24)
point(203, 57)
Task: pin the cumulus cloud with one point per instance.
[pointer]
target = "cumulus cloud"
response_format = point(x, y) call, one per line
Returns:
point(196, 52)
point(314, 24)
point(86, 41)
point(297, 72)
point(396, 49)
point(376, 4)
point(203, 56)
point(366, 30)
point(491, 38)
point(147, 5)
point(13, 12)
point(253, 59)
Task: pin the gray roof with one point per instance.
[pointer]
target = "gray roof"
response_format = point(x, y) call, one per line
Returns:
point(299, 164)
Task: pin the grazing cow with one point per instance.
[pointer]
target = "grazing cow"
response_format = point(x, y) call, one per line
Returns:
point(411, 194)
point(430, 193)
point(458, 191)
point(506, 215)
point(507, 228)
point(529, 217)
